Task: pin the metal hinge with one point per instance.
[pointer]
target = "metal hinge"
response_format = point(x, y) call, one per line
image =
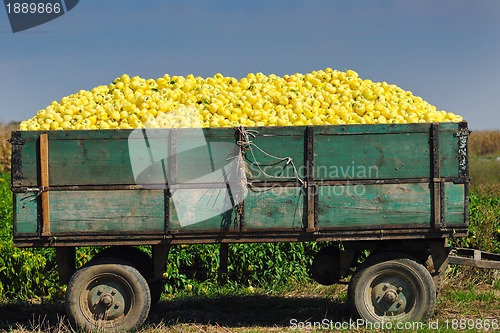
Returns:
point(463, 161)
point(462, 132)
point(16, 141)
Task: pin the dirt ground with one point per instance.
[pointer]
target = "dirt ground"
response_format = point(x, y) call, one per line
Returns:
point(260, 312)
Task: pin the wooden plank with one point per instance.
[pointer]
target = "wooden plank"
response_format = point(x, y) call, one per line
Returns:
point(363, 129)
point(448, 154)
point(435, 174)
point(311, 189)
point(44, 183)
point(374, 205)
point(268, 147)
point(108, 151)
point(454, 205)
point(107, 211)
point(278, 207)
point(202, 161)
point(371, 156)
point(25, 213)
point(26, 173)
point(474, 258)
point(200, 209)
point(221, 222)
point(86, 162)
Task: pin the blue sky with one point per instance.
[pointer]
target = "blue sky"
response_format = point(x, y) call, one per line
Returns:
point(446, 51)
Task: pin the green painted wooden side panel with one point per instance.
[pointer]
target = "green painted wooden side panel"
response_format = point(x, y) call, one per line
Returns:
point(354, 152)
point(200, 209)
point(196, 163)
point(271, 150)
point(454, 204)
point(89, 162)
point(97, 158)
point(372, 156)
point(29, 167)
point(178, 156)
point(268, 208)
point(342, 152)
point(448, 153)
point(29, 154)
point(107, 211)
point(370, 205)
point(26, 213)
point(383, 151)
point(339, 206)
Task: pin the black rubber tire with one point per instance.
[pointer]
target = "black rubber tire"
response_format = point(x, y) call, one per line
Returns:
point(425, 258)
point(374, 294)
point(135, 257)
point(108, 295)
point(325, 266)
point(140, 261)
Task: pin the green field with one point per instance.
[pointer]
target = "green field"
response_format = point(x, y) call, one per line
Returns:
point(267, 286)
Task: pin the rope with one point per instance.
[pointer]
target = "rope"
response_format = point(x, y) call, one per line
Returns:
point(36, 190)
point(248, 144)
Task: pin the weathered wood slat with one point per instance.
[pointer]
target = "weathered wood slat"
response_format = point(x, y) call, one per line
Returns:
point(199, 209)
point(103, 211)
point(372, 156)
point(25, 213)
point(455, 210)
point(369, 205)
point(276, 155)
point(44, 182)
point(278, 207)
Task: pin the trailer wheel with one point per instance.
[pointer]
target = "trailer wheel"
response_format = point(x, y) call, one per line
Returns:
point(391, 287)
point(108, 295)
point(425, 258)
point(140, 261)
point(325, 266)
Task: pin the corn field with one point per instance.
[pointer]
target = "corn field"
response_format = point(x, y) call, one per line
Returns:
point(5, 148)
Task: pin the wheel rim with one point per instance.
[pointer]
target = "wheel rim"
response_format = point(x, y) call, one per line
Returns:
point(106, 300)
point(390, 294)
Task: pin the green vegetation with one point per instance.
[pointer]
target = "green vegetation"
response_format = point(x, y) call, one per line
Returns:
point(267, 266)
point(484, 228)
point(24, 273)
point(473, 295)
